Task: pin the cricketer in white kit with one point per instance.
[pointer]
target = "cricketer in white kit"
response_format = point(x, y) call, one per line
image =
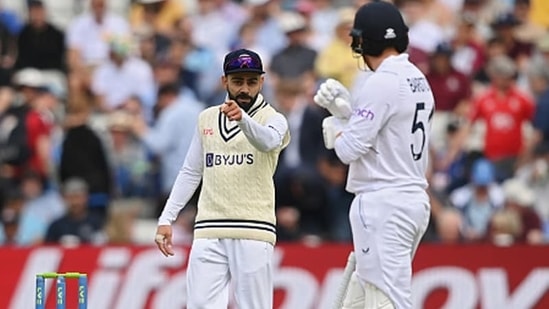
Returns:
point(234, 153)
point(382, 131)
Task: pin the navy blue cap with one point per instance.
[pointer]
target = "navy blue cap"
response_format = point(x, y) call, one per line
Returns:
point(505, 20)
point(380, 21)
point(242, 60)
point(35, 3)
point(443, 48)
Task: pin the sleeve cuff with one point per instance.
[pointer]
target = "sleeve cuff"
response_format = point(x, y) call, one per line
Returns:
point(164, 221)
point(245, 118)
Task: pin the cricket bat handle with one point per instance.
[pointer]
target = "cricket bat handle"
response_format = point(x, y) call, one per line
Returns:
point(345, 279)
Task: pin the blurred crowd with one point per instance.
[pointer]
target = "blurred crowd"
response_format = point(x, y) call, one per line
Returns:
point(99, 100)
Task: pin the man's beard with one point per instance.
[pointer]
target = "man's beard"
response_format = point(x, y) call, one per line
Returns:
point(239, 100)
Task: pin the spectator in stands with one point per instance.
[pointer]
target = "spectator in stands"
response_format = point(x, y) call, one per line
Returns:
point(211, 30)
point(541, 52)
point(449, 226)
point(305, 194)
point(305, 124)
point(504, 108)
point(263, 15)
point(87, 36)
point(120, 226)
point(122, 76)
point(324, 17)
point(83, 156)
point(40, 44)
point(8, 51)
point(129, 161)
point(535, 174)
point(233, 12)
point(338, 201)
point(49, 106)
point(159, 15)
point(297, 58)
point(287, 223)
point(441, 14)
point(334, 60)
point(494, 48)
point(9, 222)
point(519, 199)
point(34, 207)
point(170, 136)
point(297, 170)
point(504, 228)
point(189, 65)
point(247, 38)
point(170, 72)
point(451, 89)
point(485, 12)
point(195, 67)
point(539, 84)
point(504, 27)
point(10, 217)
point(14, 150)
point(425, 33)
point(468, 49)
point(527, 30)
point(478, 200)
point(78, 225)
point(35, 113)
point(10, 20)
point(449, 175)
point(42, 205)
point(151, 45)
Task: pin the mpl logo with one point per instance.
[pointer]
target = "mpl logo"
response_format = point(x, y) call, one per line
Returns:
point(213, 159)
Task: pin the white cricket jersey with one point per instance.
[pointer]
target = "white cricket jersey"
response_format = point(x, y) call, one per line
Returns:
point(386, 140)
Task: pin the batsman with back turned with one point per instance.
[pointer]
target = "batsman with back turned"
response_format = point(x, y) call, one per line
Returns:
point(381, 131)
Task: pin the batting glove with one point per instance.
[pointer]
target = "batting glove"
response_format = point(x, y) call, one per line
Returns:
point(334, 97)
point(331, 128)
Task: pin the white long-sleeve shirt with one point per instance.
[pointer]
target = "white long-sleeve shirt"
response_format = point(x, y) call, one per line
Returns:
point(263, 137)
point(385, 142)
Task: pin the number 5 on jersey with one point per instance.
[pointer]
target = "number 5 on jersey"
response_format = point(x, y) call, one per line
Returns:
point(419, 125)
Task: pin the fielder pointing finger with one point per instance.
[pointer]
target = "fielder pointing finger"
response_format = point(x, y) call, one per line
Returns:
point(234, 153)
point(382, 131)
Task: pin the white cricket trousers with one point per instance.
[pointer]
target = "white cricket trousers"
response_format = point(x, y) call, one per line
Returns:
point(387, 226)
point(214, 263)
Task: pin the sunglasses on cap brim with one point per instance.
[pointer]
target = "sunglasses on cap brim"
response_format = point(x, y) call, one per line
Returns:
point(243, 62)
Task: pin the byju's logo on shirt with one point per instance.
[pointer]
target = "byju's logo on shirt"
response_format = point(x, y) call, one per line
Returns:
point(213, 159)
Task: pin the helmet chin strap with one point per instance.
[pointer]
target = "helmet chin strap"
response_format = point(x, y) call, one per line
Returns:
point(362, 65)
point(358, 50)
point(356, 43)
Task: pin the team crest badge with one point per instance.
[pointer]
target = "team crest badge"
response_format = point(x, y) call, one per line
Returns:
point(390, 33)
